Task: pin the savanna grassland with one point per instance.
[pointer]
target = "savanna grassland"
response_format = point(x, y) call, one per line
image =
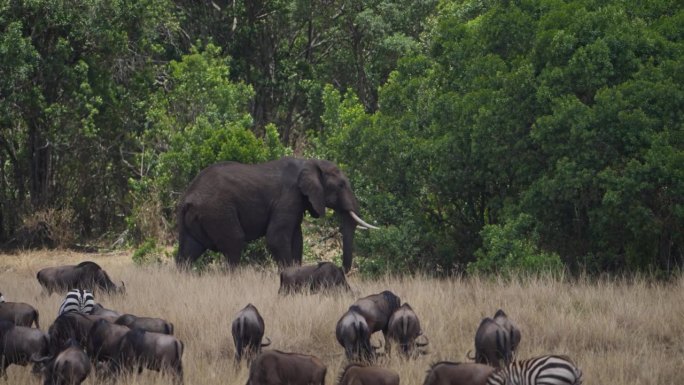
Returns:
point(618, 332)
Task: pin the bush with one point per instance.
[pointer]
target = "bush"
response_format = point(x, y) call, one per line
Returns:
point(511, 249)
point(148, 253)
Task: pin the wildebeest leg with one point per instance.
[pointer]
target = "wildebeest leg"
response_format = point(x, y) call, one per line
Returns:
point(3, 367)
point(388, 347)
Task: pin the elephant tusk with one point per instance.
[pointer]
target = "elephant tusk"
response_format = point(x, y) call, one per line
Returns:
point(361, 221)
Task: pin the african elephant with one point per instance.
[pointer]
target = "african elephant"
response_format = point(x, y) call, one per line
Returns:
point(229, 204)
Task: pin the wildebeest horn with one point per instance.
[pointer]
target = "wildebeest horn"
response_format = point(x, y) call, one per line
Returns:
point(468, 356)
point(268, 343)
point(361, 221)
point(38, 360)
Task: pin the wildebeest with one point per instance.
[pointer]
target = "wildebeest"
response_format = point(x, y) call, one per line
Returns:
point(353, 334)
point(248, 331)
point(355, 374)
point(19, 343)
point(150, 324)
point(103, 340)
point(71, 325)
point(108, 314)
point(70, 367)
point(513, 332)
point(86, 275)
point(21, 314)
point(318, 277)
point(273, 367)
point(154, 351)
point(404, 329)
point(377, 310)
point(456, 373)
point(492, 344)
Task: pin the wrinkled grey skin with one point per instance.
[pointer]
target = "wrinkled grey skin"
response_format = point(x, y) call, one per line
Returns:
point(103, 340)
point(377, 310)
point(315, 278)
point(19, 343)
point(492, 344)
point(70, 367)
point(404, 329)
point(353, 334)
point(273, 367)
point(86, 275)
point(109, 314)
point(248, 331)
point(150, 324)
point(230, 204)
point(21, 314)
point(355, 374)
point(456, 373)
point(513, 332)
point(154, 351)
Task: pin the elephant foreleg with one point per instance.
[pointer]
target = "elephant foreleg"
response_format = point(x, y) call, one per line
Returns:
point(297, 245)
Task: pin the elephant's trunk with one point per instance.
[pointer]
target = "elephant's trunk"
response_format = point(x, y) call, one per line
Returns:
point(348, 227)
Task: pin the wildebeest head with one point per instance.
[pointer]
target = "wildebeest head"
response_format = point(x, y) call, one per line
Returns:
point(358, 374)
point(353, 334)
point(248, 331)
point(404, 328)
point(492, 344)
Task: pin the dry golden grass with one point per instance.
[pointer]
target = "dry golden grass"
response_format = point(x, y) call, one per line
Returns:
point(617, 332)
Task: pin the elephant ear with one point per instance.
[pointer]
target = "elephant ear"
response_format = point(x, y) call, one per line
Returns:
point(310, 185)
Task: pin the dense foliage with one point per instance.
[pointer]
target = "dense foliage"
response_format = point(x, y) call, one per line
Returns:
point(484, 136)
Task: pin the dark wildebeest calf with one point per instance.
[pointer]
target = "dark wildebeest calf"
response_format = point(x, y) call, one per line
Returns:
point(70, 367)
point(353, 334)
point(377, 310)
point(154, 351)
point(404, 329)
point(19, 313)
point(273, 367)
point(86, 275)
point(18, 344)
point(456, 373)
point(315, 278)
point(355, 374)
point(248, 331)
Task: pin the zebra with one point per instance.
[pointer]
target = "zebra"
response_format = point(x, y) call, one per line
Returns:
point(78, 300)
point(544, 370)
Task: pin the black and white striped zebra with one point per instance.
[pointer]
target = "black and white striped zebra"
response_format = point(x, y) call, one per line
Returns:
point(78, 300)
point(544, 370)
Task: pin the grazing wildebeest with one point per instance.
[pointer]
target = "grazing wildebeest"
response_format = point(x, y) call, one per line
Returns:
point(404, 329)
point(21, 314)
point(86, 275)
point(70, 367)
point(353, 334)
point(355, 374)
point(150, 324)
point(18, 344)
point(456, 373)
point(377, 310)
point(154, 351)
point(103, 340)
point(273, 367)
point(321, 276)
point(513, 332)
point(492, 344)
point(248, 331)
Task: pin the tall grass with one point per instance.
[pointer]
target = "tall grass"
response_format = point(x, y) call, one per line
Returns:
point(618, 332)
